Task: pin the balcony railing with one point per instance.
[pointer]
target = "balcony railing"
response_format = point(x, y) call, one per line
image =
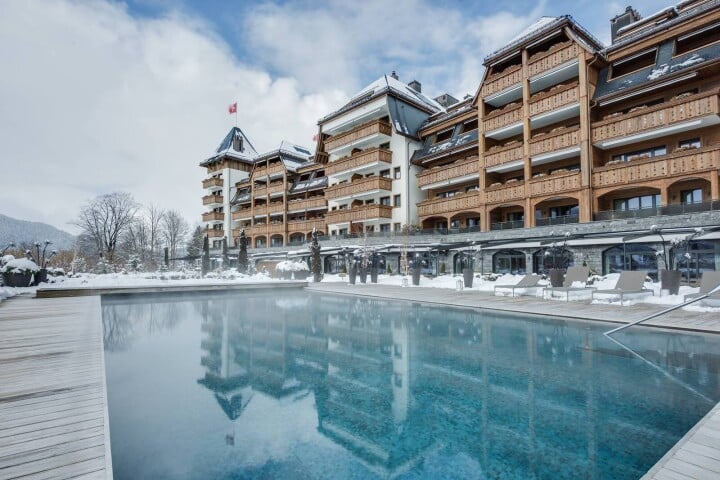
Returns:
point(502, 80)
point(211, 199)
point(672, 209)
point(561, 220)
point(510, 114)
point(264, 170)
point(550, 142)
point(507, 225)
point(263, 191)
point(558, 97)
point(213, 216)
point(359, 214)
point(214, 233)
point(315, 203)
point(274, 228)
point(445, 173)
point(505, 154)
point(306, 226)
point(655, 117)
point(683, 162)
point(556, 56)
point(212, 182)
point(358, 187)
point(364, 158)
point(554, 183)
point(451, 205)
point(505, 192)
point(351, 136)
point(260, 211)
point(241, 213)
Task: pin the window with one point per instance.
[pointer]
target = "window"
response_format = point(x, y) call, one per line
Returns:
point(385, 145)
point(564, 211)
point(509, 261)
point(515, 216)
point(385, 173)
point(469, 126)
point(447, 194)
point(396, 173)
point(444, 135)
point(691, 196)
point(630, 257)
point(697, 39)
point(370, 201)
point(384, 200)
point(343, 231)
point(631, 64)
point(396, 200)
point(640, 154)
point(385, 227)
point(637, 203)
point(472, 188)
point(455, 223)
point(689, 143)
point(397, 227)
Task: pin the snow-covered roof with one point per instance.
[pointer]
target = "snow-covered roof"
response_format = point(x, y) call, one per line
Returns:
point(310, 184)
point(384, 85)
point(540, 27)
point(236, 146)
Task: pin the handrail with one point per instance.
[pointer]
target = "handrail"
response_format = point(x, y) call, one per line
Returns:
point(663, 312)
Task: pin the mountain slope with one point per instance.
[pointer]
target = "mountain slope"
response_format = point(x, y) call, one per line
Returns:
point(23, 232)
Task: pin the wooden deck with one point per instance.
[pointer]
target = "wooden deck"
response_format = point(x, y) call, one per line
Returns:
point(53, 409)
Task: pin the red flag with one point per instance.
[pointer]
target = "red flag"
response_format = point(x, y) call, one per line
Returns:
point(232, 108)
point(315, 138)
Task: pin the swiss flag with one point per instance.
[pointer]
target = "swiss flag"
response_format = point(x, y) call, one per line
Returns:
point(232, 108)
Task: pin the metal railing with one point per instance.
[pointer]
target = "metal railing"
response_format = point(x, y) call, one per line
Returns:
point(507, 225)
point(674, 209)
point(561, 220)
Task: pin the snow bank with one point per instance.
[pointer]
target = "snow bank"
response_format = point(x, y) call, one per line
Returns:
point(290, 266)
point(20, 265)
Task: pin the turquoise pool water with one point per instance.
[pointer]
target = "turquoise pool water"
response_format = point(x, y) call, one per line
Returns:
point(304, 386)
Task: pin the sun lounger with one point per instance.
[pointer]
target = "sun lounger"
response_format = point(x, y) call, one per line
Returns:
point(574, 275)
point(528, 281)
point(708, 282)
point(629, 282)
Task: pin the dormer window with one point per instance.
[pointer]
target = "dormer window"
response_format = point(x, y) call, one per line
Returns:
point(634, 63)
point(699, 38)
point(444, 135)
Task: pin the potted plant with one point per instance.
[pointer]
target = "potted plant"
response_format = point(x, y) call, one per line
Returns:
point(352, 271)
point(415, 270)
point(670, 276)
point(558, 256)
point(300, 270)
point(19, 272)
point(467, 263)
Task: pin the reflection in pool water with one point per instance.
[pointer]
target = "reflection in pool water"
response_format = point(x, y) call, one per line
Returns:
point(317, 386)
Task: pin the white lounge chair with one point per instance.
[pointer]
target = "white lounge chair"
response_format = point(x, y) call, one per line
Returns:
point(708, 282)
point(528, 281)
point(629, 282)
point(574, 275)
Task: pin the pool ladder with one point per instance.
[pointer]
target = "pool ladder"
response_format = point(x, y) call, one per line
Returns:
point(663, 312)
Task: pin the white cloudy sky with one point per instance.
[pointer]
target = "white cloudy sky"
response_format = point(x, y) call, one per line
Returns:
point(100, 96)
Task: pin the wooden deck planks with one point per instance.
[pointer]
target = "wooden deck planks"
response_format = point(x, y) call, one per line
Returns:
point(53, 408)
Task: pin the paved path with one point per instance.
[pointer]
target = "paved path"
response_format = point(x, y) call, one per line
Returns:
point(687, 320)
point(53, 409)
point(695, 457)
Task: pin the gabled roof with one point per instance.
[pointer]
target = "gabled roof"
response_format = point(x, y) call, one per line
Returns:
point(236, 146)
point(538, 29)
point(292, 155)
point(387, 84)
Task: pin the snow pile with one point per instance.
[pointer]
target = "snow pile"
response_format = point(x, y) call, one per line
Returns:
point(149, 279)
point(290, 266)
point(6, 258)
point(21, 265)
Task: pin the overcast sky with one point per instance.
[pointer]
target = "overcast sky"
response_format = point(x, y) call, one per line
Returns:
point(101, 96)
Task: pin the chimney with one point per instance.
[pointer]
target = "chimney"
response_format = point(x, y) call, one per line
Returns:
point(630, 15)
point(394, 75)
point(415, 85)
point(446, 100)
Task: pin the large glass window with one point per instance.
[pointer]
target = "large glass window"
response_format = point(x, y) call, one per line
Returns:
point(548, 258)
point(630, 257)
point(691, 196)
point(700, 258)
point(637, 203)
point(509, 261)
point(639, 154)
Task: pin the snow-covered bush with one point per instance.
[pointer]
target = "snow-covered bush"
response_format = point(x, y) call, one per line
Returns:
point(5, 259)
point(20, 265)
point(291, 266)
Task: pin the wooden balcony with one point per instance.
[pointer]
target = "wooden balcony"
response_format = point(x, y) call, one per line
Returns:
point(212, 182)
point(260, 211)
point(678, 163)
point(378, 127)
point(256, 230)
point(212, 199)
point(241, 213)
point(364, 158)
point(306, 226)
point(505, 192)
point(502, 155)
point(645, 120)
point(502, 80)
point(264, 191)
point(553, 141)
point(359, 214)
point(358, 187)
point(263, 170)
point(213, 216)
point(449, 206)
point(556, 56)
point(315, 203)
point(503, 117)
point(214, 233)
point(445, 173)
point(275, 228)
point(558, 97)
point(276, 207)
point(555, 183)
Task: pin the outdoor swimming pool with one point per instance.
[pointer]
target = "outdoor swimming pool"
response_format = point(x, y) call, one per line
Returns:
point(302, 385)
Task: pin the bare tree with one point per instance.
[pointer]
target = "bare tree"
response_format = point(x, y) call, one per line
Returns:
point(154, 216)
point(174, 230)
point(105, 219)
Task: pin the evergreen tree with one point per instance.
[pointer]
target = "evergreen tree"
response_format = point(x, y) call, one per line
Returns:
point(194, 246)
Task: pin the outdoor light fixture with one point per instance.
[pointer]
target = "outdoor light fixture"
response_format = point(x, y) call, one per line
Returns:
point(10, 245)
